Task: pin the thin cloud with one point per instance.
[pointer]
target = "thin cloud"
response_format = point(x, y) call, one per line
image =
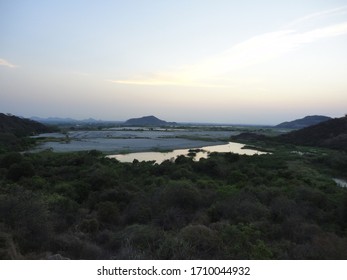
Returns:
point(259, 49)
point(318, 16)
point(164, 82)
point(5, 63)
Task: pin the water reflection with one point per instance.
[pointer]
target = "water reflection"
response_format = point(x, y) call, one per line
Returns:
point(197, 154)
point(340, 182)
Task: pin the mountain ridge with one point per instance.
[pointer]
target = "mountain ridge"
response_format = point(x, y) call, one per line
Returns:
point(14, 132)
point(328, 134)
point(148, 121)
point(303, 122)
point(58, 120)
point(21, 126)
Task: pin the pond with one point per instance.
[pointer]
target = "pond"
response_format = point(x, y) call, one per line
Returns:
point(197, 153)
point(340, 182)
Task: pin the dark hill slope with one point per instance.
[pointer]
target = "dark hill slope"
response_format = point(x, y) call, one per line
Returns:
point(304, 122)
point(13, 132)
point(148, 121)
point(20, 126)
point(329, 134)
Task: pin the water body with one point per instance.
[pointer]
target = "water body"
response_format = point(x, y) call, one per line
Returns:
point(120, 140)
point(340, 182)
point(203, 152)
point(121, 145)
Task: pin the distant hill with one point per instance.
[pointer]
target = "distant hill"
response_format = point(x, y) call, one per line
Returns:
point(148, 121)
point(55, 120)
point(13, 131)
point(20, 126)
point(304, 122)
point(329, 134)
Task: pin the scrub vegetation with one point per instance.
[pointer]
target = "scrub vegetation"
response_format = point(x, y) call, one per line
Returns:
point(84, 206)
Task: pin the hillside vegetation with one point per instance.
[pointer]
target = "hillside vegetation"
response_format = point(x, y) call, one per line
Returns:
point(304, 122)
point(84, 206)
point(20, 126)
point(330, 134)
point(13, 130)
point(281, 205)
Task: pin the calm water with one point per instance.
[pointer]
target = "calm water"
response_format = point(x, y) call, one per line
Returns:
point(118, 140)
point(340, 182)
point(160, 157)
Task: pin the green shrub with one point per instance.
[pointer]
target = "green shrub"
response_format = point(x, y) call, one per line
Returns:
point(181, 194)
point(27, 216)
point(10, 158)
point(8, 250)
point(63, 211)
point(19, 170)
point(108, 212)
point(203, 242)
point(139, 242)
point(73, 247)
point(89, 226)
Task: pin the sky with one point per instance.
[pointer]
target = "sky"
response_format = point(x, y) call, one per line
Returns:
point(215, 61)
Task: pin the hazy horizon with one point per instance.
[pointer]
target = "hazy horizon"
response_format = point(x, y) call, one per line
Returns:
point(181, 122)
point(249, 62)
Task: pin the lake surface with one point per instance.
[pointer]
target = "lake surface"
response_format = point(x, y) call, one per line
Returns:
point(122, 145)
point(340, 182)
point(120, 140)
point(202, 153)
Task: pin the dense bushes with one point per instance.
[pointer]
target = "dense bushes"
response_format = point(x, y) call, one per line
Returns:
point(84, 206)
point(25, 216)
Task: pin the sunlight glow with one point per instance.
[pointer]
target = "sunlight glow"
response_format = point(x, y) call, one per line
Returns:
point(183, 60)
point(256, 50)
point(5, 63)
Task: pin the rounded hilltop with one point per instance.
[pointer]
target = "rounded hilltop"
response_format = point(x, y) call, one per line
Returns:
point(148, 121)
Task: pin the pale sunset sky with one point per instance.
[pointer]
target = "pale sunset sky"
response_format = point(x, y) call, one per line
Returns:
point(215, 61)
